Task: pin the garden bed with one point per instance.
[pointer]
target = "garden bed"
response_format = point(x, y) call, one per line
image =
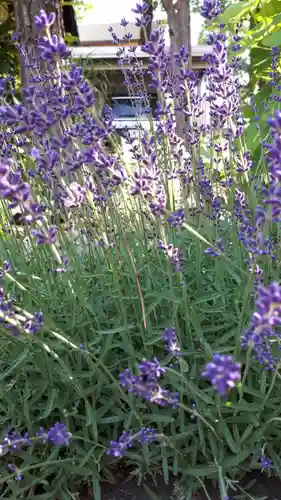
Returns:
point(143, 330)
point(258, 486)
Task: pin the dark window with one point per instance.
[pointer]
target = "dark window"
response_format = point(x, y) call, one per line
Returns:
point(69, 21)
point(124, 107)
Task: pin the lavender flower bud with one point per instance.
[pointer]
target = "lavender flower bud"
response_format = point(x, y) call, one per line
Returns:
point(146, 384)
point(176, 219)
point(58, 435)
point(118, 448)
point(44, 20)
point(223, 373)
point(265, 463)
point(211, 9)
point(264, 325)
point(14, 468)
point(140, 8)
point(173, 254)
point(171, 341)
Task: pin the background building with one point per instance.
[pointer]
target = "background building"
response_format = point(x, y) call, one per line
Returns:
point(98, 53)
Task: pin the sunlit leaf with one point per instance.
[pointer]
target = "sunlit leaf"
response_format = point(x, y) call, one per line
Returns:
point(272, 40)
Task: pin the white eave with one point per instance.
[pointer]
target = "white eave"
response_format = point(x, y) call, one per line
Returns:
point(97, 43)
point(100, 52)
point(99, 32)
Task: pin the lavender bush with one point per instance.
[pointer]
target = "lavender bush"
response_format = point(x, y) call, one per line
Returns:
point(140, 303)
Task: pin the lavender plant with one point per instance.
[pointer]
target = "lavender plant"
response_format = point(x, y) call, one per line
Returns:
point(139, 304)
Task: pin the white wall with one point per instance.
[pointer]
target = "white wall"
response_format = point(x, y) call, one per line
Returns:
point(105, 13)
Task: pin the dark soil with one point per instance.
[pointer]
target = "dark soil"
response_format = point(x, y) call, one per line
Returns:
point(264, 488)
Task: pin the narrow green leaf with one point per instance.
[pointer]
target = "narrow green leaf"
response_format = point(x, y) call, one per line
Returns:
point(96, 485)
point(165, 467)
point(247, 433)
point(164, 419)
point(118, 329)
point(13, 366)
point(210, 471)
point(272, 40)
point(235, 11)
point(231, 462)
point(195, 391)
point(50, 403)
point(224, 430)
point(246, 408)
point(151, 493)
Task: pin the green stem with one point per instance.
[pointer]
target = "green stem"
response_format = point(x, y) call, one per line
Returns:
point(193, 231)
point(246, 371)
point(36, 466)
point(271, 387)
point(196, 414)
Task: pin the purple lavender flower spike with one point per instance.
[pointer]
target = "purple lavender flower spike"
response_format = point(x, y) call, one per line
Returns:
point(33, 325)
point(140, 8)
point(265, 463)
point(14, 468)
point(264, 325)
point(223, 373)
point(39, 317)
point(118, 448)
point(16, 36)
point(50, 48)
point(173, 254)
point(6, 268)
point(58, 435)
point(151, 369)
point(124, 22)
point(211, 9)
point(176, 218)
point(3, 84)
point(273, 154)
point(223, 86)
point(44, 20)
point(15, 441)
point(171, 341)
point(82, 347)
point(47, 238)
point(43, 435)
point(17, 192)
point(74, 196)
point(157, 205)
point(146, 435)
point(146, 384)
point(212, 252)
point(268, 306)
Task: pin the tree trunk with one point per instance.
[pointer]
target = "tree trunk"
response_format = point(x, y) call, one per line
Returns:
point(178, 15)
point(25, 11)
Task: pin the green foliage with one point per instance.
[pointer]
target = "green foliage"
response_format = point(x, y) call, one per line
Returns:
point(108, 311)
point(260, 28)
point(81, 7)
point(260, 23)
point(236, 11)
point(8, 52)
point(48, 377)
